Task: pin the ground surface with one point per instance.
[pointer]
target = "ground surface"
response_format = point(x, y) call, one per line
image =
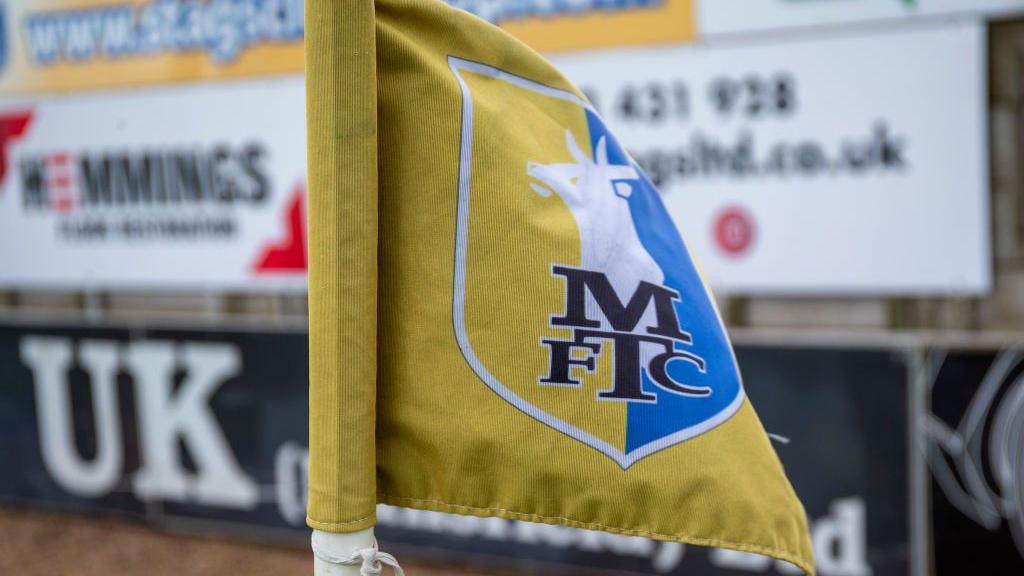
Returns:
point(51, 544)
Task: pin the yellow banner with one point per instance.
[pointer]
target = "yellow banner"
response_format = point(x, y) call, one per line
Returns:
point(64, 45)
point(504, 320)
point(69, 45)
point(595, 23)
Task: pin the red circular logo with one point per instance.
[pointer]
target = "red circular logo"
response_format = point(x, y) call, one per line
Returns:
point(734, 231)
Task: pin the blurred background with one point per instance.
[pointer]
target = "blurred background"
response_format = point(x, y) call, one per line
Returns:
point(848, 172)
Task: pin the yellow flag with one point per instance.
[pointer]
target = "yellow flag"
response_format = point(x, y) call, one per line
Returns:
point(504, 321)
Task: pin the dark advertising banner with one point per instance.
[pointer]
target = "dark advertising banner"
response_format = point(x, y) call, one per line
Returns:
point(193, 427)
point(975, 440)
point(156, 423)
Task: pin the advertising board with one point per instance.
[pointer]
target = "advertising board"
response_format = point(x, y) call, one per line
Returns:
point(52, 46)
point(722, 17)
point(853, 163)
point(975, 447)
point(192, 427)
point(193, 187)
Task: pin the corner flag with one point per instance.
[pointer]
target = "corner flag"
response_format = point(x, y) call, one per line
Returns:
point(504, 320)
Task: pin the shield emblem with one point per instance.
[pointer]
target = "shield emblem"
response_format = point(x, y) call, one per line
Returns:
point(575, 298)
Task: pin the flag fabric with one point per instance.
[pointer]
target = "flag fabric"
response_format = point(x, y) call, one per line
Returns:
point(504, 320)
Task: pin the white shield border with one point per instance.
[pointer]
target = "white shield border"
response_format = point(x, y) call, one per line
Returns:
point(624, 460)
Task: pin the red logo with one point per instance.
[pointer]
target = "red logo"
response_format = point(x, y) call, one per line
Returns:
point(734, 231)
point(289, 255)
point(60, 181)
point(11, 126)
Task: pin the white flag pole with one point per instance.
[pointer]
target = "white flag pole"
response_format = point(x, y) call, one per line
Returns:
point(351, 554)
point(329, 547)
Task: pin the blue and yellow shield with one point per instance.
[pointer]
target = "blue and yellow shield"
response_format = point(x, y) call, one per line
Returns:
point(575, 298)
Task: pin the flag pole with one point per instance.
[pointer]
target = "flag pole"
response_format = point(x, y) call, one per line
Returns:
point(342, 212)
point(331, 549)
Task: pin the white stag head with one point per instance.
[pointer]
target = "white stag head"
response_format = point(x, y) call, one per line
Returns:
point(586, 180)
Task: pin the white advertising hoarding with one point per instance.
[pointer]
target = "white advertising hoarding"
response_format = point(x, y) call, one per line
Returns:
point(198, 187)
point(847, 164)
point(729, 16)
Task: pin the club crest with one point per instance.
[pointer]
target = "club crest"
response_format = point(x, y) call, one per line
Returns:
point(575, 298)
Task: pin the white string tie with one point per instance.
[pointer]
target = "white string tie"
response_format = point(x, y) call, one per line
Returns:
point(370, 560)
